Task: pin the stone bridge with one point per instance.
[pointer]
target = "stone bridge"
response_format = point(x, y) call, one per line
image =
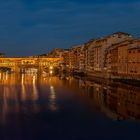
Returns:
point(20, 64)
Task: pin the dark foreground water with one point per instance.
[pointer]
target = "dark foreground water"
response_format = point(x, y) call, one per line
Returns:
point(63, 108)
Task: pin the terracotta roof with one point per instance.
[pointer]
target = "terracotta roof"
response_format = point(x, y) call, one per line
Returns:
point(134, 47)
point(115, 46)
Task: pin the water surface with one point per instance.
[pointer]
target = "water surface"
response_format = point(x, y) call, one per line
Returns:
point(34, 107)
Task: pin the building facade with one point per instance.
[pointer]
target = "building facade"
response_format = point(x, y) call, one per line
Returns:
point(134, 59)
point(96, 52)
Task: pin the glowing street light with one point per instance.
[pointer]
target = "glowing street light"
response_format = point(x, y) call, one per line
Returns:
point(51, 72)
point(51, 67)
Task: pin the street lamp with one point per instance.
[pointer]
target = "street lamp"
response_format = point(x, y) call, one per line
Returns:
point(51, 72)
point(51, 67)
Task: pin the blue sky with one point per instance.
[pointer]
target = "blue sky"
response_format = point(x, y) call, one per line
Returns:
point(30, 27)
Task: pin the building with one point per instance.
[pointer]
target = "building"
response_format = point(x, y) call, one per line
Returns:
point(96, 52)
point(55, 53)
point(73, 59)
point(116, 58)
point(82, 59)
point(113, 56)
point(89, 56)
point(123, 58)
point(134, 59)
point(66, 59)
point(76, 58)
point(111, 60)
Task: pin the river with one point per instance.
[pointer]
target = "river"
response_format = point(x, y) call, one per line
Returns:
point(34, 107)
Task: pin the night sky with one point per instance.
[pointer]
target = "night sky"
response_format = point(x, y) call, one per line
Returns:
point(31, 27)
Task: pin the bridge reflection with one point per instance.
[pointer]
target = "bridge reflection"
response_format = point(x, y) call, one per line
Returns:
point(26, 93)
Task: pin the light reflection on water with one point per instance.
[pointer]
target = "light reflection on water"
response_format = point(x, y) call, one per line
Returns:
point(20, 93)
point(52, 99)
point(31, 93)
point(67, 107)
point(116, 100)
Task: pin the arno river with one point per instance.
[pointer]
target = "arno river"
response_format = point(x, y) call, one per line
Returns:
point(36, 107)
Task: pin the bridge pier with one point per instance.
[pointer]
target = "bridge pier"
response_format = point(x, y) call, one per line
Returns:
point(40, 70)
point(15, 69)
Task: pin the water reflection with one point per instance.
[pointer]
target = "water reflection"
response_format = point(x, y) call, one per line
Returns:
point(52, 99)
point(117, 101)
point(31, 93)
point(26, 93)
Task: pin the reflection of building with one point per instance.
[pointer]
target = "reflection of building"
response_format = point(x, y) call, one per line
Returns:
point(130, 98)
point(116, 101)
point(96, 94)
point(29, 70)
point(124, 100)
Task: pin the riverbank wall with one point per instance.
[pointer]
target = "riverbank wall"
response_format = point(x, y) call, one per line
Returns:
point(103, 76)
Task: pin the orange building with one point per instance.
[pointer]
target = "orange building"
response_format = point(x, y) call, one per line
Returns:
point(76, 55)
point(66, 57)
point(96, 52)
point(134, 59)
point(123, 58)
point(116, 58)
point(111, 62)
point(73, 59)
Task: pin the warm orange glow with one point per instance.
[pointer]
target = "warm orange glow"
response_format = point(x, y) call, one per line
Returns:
point(26, 58)
point(17, 64)
point(51, 72)
point(51, 67)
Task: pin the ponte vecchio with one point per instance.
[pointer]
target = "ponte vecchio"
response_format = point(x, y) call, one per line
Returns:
point(21, 63)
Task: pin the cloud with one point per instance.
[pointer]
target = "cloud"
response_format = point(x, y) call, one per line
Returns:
point(44, 24)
